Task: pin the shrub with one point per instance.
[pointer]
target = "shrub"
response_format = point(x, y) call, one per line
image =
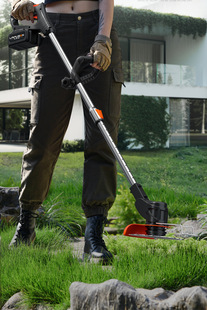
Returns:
point(145, 120)
point(124, 208)
point(72, 146)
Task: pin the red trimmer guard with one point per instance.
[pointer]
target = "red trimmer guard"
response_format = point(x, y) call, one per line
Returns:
point(140, 231)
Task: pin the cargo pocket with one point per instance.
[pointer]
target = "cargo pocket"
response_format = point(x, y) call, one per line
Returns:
point(115, 93)
point(34, 89)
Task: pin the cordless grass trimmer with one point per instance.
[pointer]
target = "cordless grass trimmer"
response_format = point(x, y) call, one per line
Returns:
point(26, 36)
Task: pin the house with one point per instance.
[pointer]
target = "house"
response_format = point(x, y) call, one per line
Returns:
point(164, 55)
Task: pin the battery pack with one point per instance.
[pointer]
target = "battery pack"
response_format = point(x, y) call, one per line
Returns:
point(22, 39)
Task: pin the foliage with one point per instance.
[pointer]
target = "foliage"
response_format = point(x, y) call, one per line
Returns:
point(44, 271)
point(67, 220)
point(72, 146)
point(5, 13)
point(4, 32)
point(124, 209)
point(14, 120)
point(145, 120)
point(5, 27)
point(123, 141)
point(127, 19)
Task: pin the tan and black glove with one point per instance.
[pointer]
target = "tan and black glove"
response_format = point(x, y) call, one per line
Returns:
point(21, 9)
point(101, 51)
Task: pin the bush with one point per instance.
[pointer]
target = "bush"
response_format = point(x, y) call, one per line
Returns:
point(124, 208)
point(123, 141)
point(72, 146)
point(145, 120)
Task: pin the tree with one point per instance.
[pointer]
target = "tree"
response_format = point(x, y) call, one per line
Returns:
point(5, 13)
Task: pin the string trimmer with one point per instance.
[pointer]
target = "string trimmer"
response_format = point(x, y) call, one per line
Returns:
point(26, 36)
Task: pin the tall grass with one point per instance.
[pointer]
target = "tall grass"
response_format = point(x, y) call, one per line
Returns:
point(45, 271)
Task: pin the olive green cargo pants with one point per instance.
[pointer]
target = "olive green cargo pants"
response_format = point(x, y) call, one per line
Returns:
point(51, 108)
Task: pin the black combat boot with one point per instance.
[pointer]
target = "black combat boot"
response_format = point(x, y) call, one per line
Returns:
point(25, 232)
point(95, 247)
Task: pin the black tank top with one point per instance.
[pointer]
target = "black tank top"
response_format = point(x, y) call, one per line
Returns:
point(50, 1)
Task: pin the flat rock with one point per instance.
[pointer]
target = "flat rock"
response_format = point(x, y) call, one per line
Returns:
point(117, 295)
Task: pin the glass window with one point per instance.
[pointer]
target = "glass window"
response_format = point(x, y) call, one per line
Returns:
point(15, 67)
point(144, 56)
point(141, 59)
point(188, 122)
point(198, 122)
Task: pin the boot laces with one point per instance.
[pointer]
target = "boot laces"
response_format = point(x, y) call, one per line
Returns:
point(25, 221)
point(97, 239)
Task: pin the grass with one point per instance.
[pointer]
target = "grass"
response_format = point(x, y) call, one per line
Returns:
point(175, 176)
point(44, 272)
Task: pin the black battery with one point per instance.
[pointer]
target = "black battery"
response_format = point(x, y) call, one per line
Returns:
point(21, 39)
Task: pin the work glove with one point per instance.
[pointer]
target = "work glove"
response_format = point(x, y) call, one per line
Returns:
point(21, 9)
point(101, 51)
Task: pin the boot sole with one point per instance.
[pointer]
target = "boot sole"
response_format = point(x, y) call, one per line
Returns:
point(97, 260)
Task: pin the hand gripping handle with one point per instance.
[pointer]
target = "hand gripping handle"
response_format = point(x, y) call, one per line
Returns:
point(42, 24)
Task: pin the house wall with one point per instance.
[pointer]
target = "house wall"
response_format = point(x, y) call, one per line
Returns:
point(179, 51)
point(185, 50)
point(75, 129)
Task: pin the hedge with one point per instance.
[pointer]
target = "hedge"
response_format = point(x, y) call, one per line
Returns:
point(145, 121)
point(126, 19)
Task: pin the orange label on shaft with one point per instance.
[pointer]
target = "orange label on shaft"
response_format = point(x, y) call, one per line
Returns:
point(100, 114)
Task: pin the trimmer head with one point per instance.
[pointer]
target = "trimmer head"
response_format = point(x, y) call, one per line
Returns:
point(147, 231)
point(155, 213)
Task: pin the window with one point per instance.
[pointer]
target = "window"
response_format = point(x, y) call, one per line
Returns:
point(15, 67)
point(141, 58)
point(188, 122)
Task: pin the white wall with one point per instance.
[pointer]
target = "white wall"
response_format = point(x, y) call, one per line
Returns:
point(76, 127)
point(194, 8)
point(163, 90)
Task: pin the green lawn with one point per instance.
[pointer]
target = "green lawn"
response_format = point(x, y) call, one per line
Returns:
point(44, 272)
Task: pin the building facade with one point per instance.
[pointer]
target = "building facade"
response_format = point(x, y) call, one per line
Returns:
point(159, 60)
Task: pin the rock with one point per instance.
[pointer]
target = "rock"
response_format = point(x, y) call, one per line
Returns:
point(190, 298)
point(114, 294)
point(17, 302)
point(9, 203)
point(14, 302)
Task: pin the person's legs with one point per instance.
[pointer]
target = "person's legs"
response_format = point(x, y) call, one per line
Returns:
point(51, 108)
point(99, 185)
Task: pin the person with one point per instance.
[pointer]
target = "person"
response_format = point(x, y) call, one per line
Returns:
point(81, 27)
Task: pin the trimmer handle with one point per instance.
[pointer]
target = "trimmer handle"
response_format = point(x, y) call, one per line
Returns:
point(81, 61)
point(42, 23)
point(78, 68)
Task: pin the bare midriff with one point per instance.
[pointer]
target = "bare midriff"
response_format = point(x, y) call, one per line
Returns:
point(72, 7)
